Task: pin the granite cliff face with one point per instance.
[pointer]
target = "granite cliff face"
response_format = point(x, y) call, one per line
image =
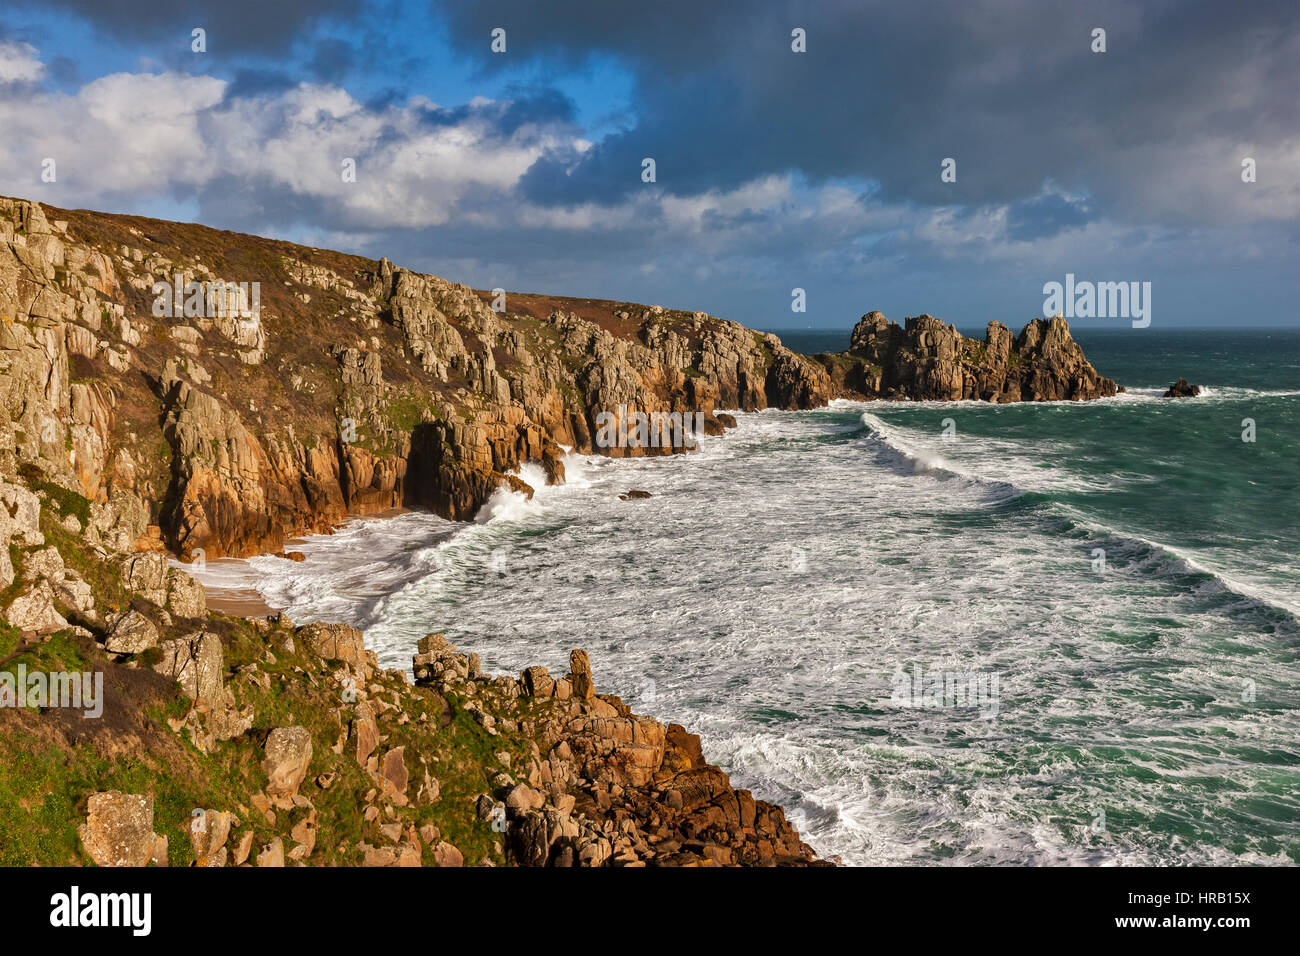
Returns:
point(134, 423)
point(356, 387)
point(928, 359)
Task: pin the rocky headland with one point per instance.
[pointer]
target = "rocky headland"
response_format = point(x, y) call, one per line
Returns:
point(927, 359)
point(133, 434)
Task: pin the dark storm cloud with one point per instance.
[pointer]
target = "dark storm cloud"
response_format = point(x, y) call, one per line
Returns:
point(330, 59)
point(527, 106)
point(1044, 216)
point(1009, 88)
point(64, 70)
point(254, 26)
point(248, 82)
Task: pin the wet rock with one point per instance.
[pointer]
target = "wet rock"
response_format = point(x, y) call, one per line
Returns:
point(1182, 389)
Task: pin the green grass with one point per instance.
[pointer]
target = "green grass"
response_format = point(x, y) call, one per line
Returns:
point(43, 788)
point(105, 579)
point(68, 502)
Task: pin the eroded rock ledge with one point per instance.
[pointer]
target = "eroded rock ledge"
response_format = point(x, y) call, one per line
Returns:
point(605, 785)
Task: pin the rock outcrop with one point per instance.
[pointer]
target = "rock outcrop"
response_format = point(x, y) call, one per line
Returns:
point(603, 786)
point(119, 829)
point(271, 744)
point(357, 386)
point(929, 360)
point(1182, 389)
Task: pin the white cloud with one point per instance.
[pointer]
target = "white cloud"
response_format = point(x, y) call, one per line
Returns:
point(132, 141)
point(19, 63)
point(154, 135)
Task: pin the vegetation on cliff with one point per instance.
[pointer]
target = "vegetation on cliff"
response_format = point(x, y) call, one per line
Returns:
point(138, 422)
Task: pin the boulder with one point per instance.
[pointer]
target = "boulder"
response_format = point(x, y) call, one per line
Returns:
point(131, 633)
point(363, 734)
point(146, 575)
point(393, 769)
point(196, 661)
point(34, 610)
point(208, 832)
point(272, 854)
point(537, 682)
point(119, 829)
point(21, 515)
point(522, 798)
point(243, 848)
point(288, 755)
point(444, 854)
point(334, 642)
point(46, 563)
point(185, 596)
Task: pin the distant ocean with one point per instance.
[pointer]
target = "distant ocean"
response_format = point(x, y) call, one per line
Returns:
point(1126, 569)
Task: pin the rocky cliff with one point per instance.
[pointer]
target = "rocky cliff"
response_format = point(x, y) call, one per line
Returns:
point(138, 727)
point(354, 387)
point(928, 359)
point(146, 407)
point(169, 388)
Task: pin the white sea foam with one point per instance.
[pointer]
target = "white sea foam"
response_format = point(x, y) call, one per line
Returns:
point(780, 575)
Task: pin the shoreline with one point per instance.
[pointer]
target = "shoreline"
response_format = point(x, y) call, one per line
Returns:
point(248, 602)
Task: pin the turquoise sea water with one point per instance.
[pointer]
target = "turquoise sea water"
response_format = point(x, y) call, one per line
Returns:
point(1126, 569)
point(1178, 473)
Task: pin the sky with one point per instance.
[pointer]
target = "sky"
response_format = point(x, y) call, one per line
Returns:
point(776, 169)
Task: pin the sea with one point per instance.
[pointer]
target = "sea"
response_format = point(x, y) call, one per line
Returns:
point(936, 633)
